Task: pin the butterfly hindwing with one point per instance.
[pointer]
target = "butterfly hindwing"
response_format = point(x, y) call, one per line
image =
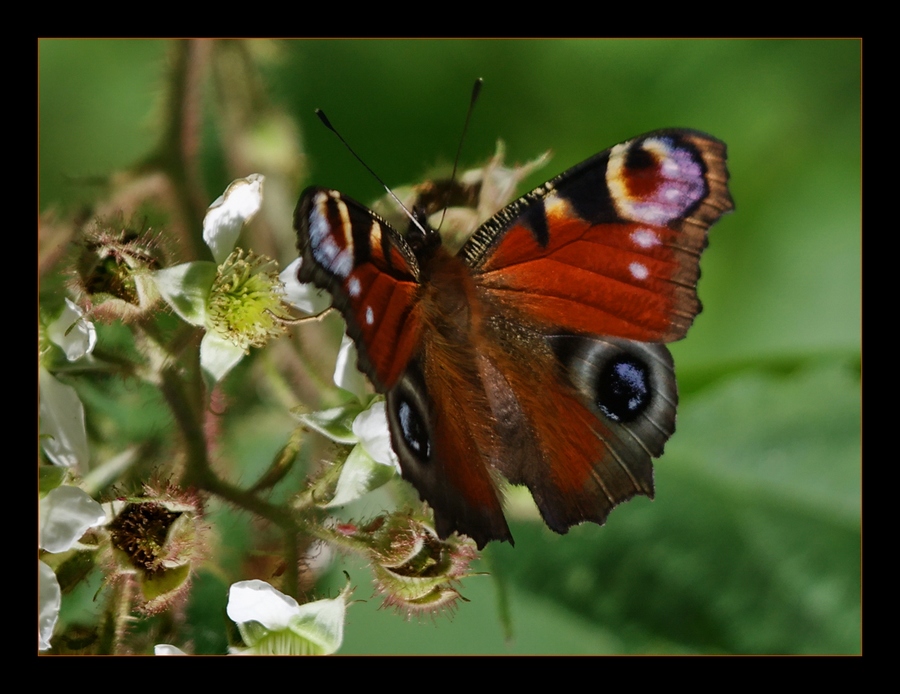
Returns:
point(577, 418)
point(439, 426)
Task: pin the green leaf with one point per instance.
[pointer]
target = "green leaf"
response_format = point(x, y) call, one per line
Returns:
point(753, 542)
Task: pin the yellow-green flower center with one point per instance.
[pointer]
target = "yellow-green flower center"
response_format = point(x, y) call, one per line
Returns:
point(245, 304)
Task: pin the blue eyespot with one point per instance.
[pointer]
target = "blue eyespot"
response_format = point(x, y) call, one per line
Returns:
point(623, 389)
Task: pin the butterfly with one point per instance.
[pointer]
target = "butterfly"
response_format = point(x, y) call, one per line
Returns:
point(535, 353)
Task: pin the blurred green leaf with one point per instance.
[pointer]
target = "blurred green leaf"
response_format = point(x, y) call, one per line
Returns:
point(753, 544)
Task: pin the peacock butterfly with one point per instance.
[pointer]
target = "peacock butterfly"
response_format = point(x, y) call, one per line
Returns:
point(536, 351)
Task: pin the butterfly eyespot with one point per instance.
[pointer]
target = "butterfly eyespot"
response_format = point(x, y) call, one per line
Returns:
point(408, 418)
point(413, 430)
point(624, 380)
point(623, 388)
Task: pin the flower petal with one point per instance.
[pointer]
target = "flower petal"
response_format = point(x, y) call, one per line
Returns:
point(360, 474)
point(186, 288)
point(303, 295)
point(75, 335)
point(227, 215)
point(371, 428)
point(49, 598)
point(218, 356)
point(65, 514)
point(63, 436)
point(335, 423)
point(322, 623)
point(167, 649)
point(257, 601)
point(346, 373)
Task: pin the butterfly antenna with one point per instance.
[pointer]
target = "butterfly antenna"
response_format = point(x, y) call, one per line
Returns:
point(476, 90)
point(327, 123)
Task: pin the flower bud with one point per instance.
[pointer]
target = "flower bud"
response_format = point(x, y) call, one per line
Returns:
point(158, 539)
point(112, 271)
point(414, 569)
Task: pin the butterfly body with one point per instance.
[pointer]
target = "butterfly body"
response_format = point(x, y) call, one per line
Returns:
point(534, 353)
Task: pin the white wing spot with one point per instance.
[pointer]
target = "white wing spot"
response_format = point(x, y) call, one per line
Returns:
point(370, 315)
point(645, 238)
point(672, 194)
point(353, 286)
point(670, 168)
point(639, 271)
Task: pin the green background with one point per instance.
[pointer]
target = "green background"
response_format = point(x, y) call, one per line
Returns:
point(753, 544)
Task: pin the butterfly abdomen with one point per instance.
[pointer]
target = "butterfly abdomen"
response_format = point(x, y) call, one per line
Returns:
point(444, 397)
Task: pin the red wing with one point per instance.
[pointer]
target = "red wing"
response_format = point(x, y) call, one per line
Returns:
point(370, 271)
point(583, 451)
point(610, 247)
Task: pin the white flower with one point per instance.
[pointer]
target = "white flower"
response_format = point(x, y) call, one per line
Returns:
point(73, 333)
point(371, 428)
point(372, 462)
point(49, 598)
point(303, 295)
point(187, 288)
point(63, 436)
point(167, 649)
point(258, 601)
point(230, 212)
point(346, 373)
point(65, 514)
point(273, 623)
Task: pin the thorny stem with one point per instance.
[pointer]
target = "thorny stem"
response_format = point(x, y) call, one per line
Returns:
point(186, 402)
point(122, 610)
point(177, 154)
point(180, 377)
point(175, 366)
point(187, 412)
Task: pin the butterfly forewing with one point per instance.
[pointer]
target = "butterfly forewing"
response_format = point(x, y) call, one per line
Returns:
point(369, 270)
point(610, 247)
